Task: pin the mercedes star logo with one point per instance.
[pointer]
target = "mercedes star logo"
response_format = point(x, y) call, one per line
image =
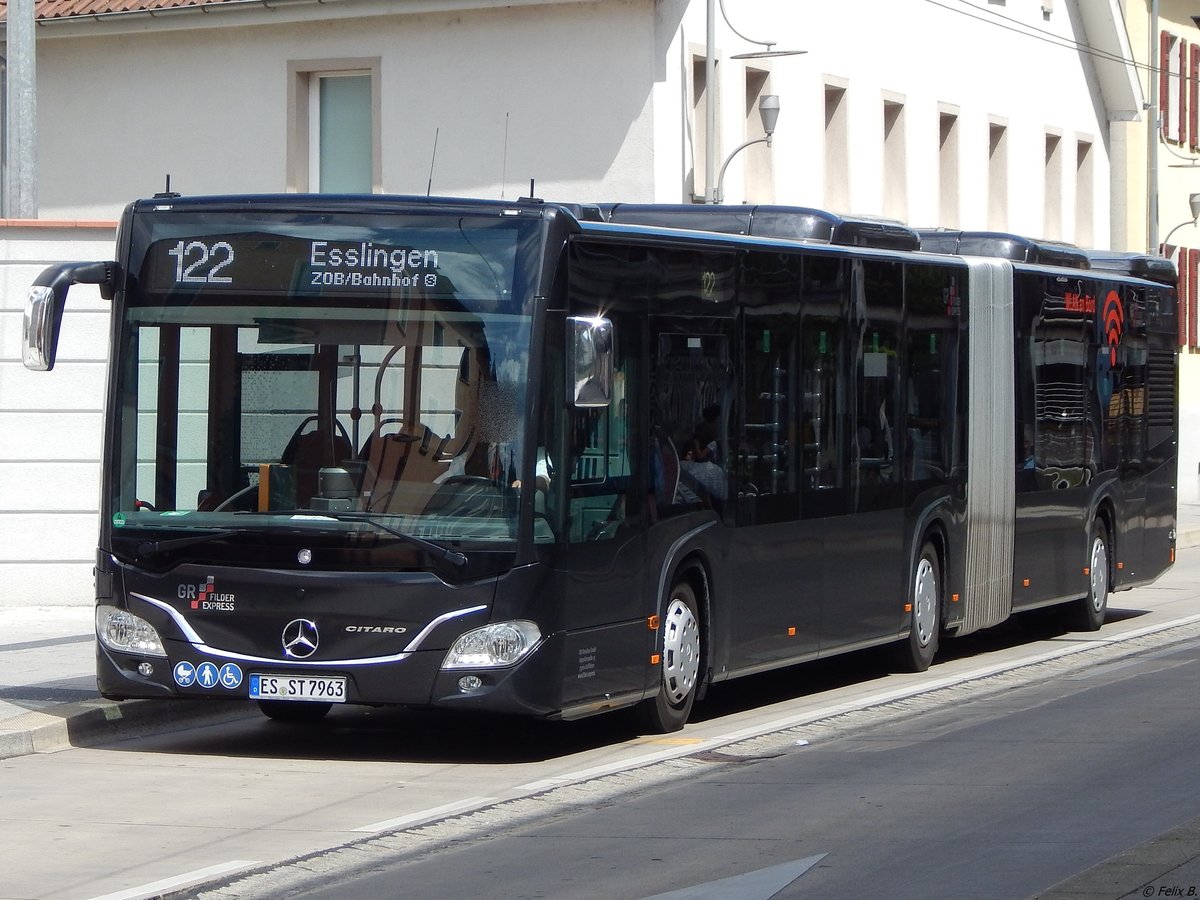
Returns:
point(300, 638)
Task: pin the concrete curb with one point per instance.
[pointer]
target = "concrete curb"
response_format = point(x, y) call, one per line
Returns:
point(89, 722)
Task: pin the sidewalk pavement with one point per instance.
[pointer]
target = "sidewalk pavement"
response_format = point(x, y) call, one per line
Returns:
point(48, 702)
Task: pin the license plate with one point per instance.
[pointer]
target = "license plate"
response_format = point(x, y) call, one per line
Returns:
point(317, 688)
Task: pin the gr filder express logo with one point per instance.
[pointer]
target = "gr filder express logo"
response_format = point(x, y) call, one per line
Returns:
point(206, 597)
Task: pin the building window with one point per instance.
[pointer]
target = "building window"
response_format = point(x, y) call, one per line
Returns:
point(837, 150)
point(1084, 187)
point(895, 169)
point(700, 126)
point(997, 202)
point(1172, 98)
point(334, 143)
point(339, 125)
point(760, 174)
point(948, 169)
point(1052, 203)
point(1193, 95)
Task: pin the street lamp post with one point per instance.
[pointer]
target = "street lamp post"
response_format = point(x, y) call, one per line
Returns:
point(768, 111)
point(711, 179)
point(1194, 203)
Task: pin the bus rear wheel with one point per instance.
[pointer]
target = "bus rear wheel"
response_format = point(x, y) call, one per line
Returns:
point(292, 711)
point(916, 652)
point(1088, 613)
point(680, 654)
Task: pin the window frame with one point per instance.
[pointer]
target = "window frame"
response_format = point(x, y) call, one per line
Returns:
point(302, 152)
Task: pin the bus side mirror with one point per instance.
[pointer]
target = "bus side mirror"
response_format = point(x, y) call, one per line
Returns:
point(590, 361)
point(44, 308)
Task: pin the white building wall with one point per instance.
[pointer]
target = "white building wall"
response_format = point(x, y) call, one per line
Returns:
point(554, 92)
point(988, 61)
point(51, 424)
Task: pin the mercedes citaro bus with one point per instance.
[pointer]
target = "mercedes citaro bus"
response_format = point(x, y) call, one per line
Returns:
point(556, 459)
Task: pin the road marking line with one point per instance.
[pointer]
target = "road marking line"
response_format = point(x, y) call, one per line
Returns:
point(426, 814)
point(167, 884)
point(762, 884)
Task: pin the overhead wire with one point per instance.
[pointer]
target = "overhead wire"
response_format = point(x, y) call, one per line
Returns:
point(999, 20)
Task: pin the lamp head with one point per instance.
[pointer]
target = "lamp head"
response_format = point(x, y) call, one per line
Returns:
point(768, 111)
point(1194, 202)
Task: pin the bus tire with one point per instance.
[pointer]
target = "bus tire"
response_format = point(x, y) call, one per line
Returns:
point(292, 711)
point(915, 653)
point(680, 652)
point(1088, 613)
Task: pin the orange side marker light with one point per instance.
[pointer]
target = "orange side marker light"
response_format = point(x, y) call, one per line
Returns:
point(791, 631)
point(652, 623)
point(655, 659)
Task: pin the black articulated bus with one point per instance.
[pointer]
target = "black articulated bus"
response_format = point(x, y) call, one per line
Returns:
point(557, 459)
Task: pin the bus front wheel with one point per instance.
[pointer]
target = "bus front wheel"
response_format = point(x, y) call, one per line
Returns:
point(916, 652)
point(680, 658)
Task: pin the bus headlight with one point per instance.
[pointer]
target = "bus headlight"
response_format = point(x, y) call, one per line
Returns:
point(121, 630)
point(501, 644)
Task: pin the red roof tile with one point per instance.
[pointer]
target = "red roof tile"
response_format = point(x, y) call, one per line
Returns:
point(64, 9)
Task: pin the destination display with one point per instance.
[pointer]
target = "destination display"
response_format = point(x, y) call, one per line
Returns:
point(261, 263)
point(434, 261)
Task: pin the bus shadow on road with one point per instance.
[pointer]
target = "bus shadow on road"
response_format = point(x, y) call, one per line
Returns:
point(424, 736)
point(877, 664)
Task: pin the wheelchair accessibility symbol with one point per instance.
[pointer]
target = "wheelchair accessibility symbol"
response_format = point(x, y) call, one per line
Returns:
point(230, 676)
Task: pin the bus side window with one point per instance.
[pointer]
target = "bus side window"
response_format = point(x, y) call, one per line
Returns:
point(875, 444)
point(601, 471)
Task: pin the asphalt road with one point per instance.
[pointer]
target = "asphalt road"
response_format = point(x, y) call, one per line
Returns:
point(995, 790)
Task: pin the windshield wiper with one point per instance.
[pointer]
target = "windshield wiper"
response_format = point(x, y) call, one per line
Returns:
point(154, 548)
point(454, 557)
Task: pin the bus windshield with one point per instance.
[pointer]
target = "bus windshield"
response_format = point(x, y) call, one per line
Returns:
point(351, 378)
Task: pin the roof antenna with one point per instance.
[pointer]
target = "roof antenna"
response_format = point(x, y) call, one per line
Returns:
point(432, 160)
point(167, 193)
point(532, 196)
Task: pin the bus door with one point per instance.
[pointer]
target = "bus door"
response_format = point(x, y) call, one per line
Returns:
point(1058, 446)
point(865, 550)
point(776, 556)
point(591, 517)
point(1122, 389)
